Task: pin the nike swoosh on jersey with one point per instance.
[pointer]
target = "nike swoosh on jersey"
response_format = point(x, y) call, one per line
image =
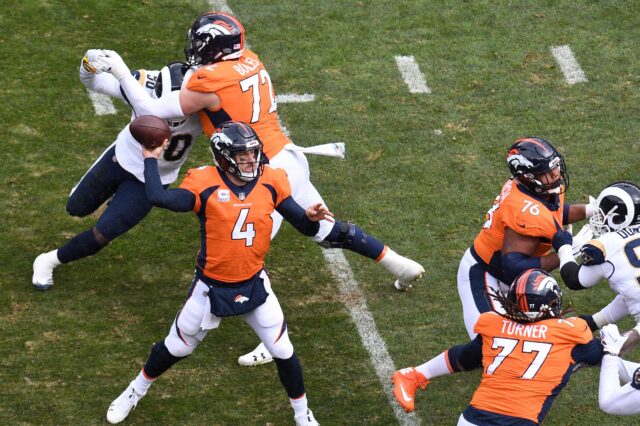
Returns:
point(404, 394)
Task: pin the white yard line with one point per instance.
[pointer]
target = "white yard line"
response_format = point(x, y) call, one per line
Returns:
point(354, 299)
point(101, 103)
point(412, 75)
point(357, 306)
point(568, 64)
point(289, 98)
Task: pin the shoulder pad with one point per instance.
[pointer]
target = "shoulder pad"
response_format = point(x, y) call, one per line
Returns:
point(593, 253)
point(635, 380)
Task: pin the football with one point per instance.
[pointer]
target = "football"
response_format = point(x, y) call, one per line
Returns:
point(150, 131)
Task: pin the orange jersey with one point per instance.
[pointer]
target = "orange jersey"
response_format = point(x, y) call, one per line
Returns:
point(236, 229)
point(524, 365)
point(524, 214)
point(246, 94)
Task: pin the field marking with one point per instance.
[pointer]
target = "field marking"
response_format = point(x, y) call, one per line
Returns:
point(354, 299)
point(357, 306)
point(412, 75)
point(570, 68)
point(292, 98)
point(101, 103)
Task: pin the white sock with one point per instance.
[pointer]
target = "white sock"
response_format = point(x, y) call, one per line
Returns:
point(390, 260)
point(52, 257)
point(299, 405)
point(435, 367)
point(141, 383)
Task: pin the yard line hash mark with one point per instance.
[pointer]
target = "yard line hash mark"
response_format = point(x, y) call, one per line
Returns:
point(412, 75)
point(570, 68)
point(101, 103)
point(289, 98)
point(382, 362)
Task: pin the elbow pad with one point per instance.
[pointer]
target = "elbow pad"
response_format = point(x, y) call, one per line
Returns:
point(514, 263)
point(569, 273)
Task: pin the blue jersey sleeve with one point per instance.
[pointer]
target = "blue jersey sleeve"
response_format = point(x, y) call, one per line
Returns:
point(590, 353)
point(177, 200)
point(295, 215)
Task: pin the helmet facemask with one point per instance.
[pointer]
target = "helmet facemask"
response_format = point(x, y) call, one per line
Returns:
point(532, 160)
point(242, 157)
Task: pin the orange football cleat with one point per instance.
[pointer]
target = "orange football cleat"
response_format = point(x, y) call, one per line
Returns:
point(405, 384)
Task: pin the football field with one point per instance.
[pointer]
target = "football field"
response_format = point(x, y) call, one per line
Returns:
point(426, 95)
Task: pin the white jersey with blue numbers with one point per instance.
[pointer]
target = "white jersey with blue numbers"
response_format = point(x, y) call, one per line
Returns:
point(185, 131)
point(621, 266)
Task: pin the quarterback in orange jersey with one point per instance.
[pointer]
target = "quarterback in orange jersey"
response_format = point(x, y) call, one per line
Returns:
point(519, 227)
point(527, 354)
point(231, 83)
point(234, 201)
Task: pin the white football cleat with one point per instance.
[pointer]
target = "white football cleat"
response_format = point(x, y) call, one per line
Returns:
point(405, 269)
point(306, 420)
point(260, 355)
point(43, 270)
point(122, 405)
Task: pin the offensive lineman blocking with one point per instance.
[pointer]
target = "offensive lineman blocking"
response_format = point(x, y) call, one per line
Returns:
point(231, 83)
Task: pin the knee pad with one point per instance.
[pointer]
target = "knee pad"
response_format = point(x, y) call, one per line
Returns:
point(282, 347)
point(102, 239)
point(185, 334)
point(341, 235)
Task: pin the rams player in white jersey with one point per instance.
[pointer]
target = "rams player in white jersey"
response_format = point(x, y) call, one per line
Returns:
point(619, 389)
point(613, 255)
point(118, 173)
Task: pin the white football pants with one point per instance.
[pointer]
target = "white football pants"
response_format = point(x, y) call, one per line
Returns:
point(195, 319)
point(474, 285)
point(302, 190)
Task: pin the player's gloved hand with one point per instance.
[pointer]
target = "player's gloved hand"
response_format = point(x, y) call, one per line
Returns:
point(585, 234)
point(560, 238)
point(612, 341)
point(112, 63)
point(87, 65)
point(591, 208)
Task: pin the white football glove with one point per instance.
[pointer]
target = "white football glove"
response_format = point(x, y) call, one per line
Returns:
point(612, 341)
point(87, 65)
point(112, 63)
point(591, 208)
point(585, 234)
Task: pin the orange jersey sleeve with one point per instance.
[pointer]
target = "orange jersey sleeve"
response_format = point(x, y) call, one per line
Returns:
point(523, 214)
point(235, 226)
point(246, 94)
point(525, 365)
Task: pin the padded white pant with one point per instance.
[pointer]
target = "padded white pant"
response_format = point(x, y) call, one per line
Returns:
point(194, 321)
point(473, 288)
point(302, 190)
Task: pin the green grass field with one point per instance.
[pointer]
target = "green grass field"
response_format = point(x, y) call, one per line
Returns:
point(421, 171)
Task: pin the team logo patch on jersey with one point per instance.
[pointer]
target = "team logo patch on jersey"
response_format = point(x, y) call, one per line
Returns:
point(224, 196)
point(240, 299)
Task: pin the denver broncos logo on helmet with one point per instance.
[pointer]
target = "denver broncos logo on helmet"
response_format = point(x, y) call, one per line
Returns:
point(516, 160)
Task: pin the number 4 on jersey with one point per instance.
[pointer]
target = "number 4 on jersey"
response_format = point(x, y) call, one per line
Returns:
point(242, 230)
